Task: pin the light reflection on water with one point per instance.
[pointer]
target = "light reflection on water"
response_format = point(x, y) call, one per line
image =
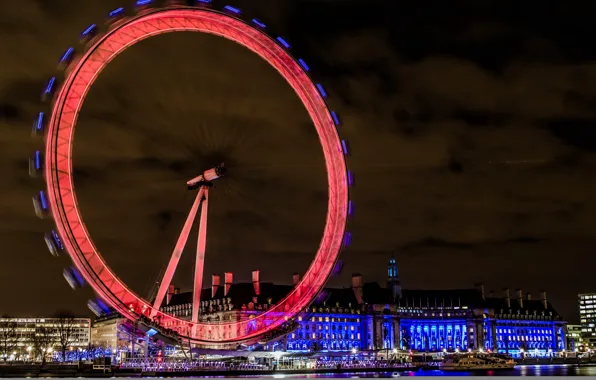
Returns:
point(530, 370)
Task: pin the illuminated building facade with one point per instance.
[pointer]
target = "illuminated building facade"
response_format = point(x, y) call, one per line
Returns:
point(587, 316)
point(23, 337)
point(111, 332)
point(574, 337)
point(367, 316)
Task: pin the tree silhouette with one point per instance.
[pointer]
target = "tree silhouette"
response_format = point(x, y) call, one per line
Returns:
point(66, 331)
point(43, 339)
point(8, 336)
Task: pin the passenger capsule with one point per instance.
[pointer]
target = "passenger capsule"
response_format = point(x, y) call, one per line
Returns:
point(233, 10)
point(40, 203)
point(66, 58)
point(39, 125)
point(54, 243)
point(36, 164)
point(88, 33)
point(98, 307)
point(115, 16)
point(48, 92)
point(74, 278)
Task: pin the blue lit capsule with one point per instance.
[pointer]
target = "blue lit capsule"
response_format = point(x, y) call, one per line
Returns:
point(35, 164)
point(67, 56)
point(74, 278)
point(321, 90)
point(283, 42)
point(57, 240)
point(204, 2)
point(89, 32)
point(350, 208)
point(38, 125)
point(232, 9)
point(335, 118)
point(49, 90)
point(40, 203)
point(98, 307)
point(350, 178)
point(143, 2)
point(116, 12)
point(344, 147)
point(258, 23)
point(94, 308)
point(44, 201)
point(54, 243)
point(339, 265)
point(51, 246)
point(303, 64)
point(347, 239)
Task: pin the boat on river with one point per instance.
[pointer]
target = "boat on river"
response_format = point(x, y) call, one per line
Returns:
point(476, 362)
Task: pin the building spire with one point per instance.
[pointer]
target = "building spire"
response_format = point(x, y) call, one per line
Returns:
point(393, 281)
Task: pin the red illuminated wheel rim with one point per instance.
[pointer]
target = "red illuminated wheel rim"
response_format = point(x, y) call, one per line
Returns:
point(62, 199)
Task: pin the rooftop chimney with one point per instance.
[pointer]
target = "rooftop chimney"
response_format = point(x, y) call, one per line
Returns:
point(215, 283)
point(529, 296)
point(255, 282)
point(170, 293)
point(519, 295)
point(507, 297)
point(228, 279)
point(295, 279)
point(543, 299)
point(357, 287)
point(480, 288)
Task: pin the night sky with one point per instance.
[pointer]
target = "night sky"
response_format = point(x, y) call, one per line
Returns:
point(471, 124)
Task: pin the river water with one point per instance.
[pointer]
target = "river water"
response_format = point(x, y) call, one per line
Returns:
point(527, 370)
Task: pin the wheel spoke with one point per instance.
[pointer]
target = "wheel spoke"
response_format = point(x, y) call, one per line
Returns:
point(175, 258)
point(200, 263)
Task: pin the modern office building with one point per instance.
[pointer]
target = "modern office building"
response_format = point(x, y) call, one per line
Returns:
point(368, 316)
point(574, 337)
point(32, 337)
point(587, 316)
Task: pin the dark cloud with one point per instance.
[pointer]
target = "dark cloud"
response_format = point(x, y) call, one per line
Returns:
point(579, 133)
point(9, 112)
point(470, 126)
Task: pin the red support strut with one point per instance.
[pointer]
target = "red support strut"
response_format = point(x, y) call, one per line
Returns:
point(171, 269)
point(200, 263)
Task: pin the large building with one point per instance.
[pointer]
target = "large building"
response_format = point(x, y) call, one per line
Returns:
point(575, 341)
point(367, 316)
point(111, 332)
point(31, 338)
point(587, 316)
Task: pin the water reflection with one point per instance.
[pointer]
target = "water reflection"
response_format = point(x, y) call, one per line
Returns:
point(530, 370)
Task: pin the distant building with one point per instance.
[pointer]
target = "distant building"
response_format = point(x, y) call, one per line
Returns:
point(367, 316)
point(587, 316)
point(111, 332)
point(29, 337)
point(574, 337)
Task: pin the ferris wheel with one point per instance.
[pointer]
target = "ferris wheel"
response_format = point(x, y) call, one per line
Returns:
point(66, 93)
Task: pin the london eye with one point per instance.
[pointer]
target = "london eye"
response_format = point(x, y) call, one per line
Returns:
point(65, 94)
